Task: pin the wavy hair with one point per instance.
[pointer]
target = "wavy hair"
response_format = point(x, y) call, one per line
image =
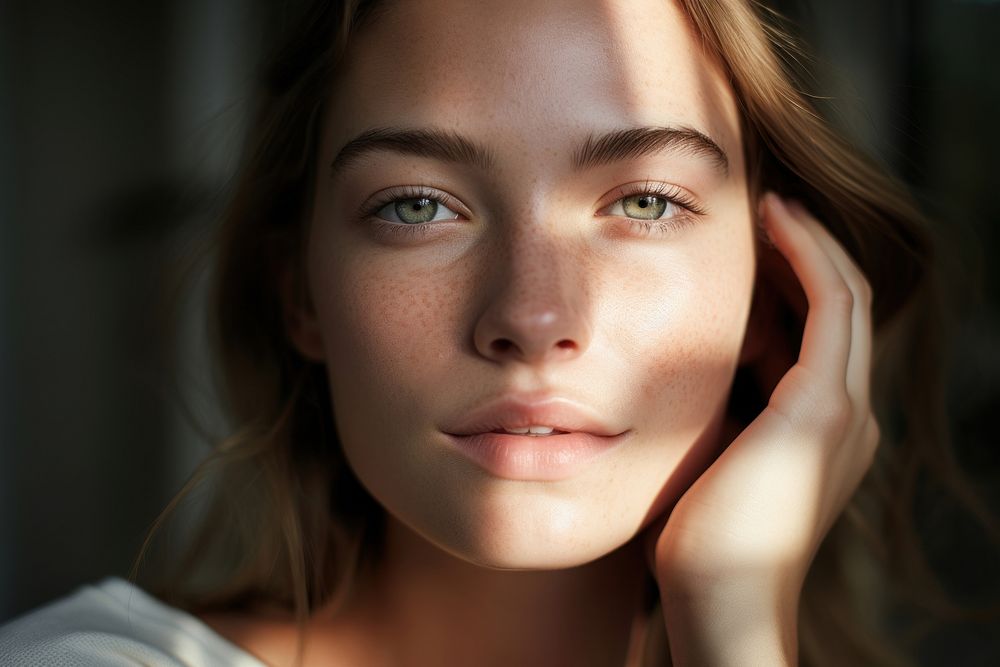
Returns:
point(286, 523)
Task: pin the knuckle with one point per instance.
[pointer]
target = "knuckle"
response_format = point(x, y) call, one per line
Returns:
point(831, 415)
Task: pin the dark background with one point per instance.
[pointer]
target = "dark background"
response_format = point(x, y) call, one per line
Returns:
point(120, 127)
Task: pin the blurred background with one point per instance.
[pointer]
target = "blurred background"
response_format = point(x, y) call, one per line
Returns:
point(120, 128)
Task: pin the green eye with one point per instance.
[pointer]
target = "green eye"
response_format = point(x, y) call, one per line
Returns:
point(644, 206)
point(413, 210)
point(416, 209)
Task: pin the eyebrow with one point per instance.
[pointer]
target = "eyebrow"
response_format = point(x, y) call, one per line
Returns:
point(596, 150)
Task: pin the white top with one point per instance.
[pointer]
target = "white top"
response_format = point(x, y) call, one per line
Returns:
point(115, 623)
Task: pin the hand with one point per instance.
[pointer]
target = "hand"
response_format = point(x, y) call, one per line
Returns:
point(741, 538)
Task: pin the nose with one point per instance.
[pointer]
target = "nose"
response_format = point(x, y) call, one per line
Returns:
point(538, 307)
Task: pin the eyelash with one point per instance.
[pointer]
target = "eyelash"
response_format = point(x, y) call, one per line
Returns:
point(671, 193)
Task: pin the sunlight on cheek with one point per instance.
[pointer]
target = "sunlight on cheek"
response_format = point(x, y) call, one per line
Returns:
point(687, 366)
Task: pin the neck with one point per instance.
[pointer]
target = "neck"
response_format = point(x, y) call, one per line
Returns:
point(431, 605)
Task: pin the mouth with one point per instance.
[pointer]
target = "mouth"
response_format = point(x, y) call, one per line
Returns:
point(532, 416)
point(529, 433)
point(517, 456)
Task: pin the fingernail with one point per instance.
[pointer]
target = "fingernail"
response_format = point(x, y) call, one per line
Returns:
point(777, 202)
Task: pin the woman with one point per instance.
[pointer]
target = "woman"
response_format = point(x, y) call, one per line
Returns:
point(457, 221)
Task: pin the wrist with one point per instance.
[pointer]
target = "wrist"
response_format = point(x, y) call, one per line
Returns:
point(713, 621)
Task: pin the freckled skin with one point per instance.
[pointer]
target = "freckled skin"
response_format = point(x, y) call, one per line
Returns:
point(407, 327)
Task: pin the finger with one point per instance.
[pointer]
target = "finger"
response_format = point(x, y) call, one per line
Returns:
point(859, 360)
point(826, 340)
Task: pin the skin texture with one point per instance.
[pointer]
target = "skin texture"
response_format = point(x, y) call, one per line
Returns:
point(645, 330)
point(406, 328)
point(536, 282)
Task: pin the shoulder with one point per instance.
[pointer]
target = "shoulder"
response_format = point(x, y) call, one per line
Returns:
point(114, 623)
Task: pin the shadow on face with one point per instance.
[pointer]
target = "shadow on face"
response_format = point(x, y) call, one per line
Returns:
point(529, 197)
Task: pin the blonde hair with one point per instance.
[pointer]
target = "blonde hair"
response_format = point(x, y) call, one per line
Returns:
point(288, 524)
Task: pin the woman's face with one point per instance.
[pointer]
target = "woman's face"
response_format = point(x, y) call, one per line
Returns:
point(531, 275)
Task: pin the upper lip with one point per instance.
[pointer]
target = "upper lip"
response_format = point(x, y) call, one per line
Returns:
point(520, 411)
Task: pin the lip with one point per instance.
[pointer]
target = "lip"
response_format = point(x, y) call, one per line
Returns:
point(523, 410)
point(532, 458)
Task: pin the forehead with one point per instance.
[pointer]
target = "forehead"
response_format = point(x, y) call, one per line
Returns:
point(530, 78)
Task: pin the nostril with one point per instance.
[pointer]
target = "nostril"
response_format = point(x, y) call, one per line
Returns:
point(502, 345)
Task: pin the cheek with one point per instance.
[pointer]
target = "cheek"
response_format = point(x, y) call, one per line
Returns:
point(386, 321)
point(668, 324)
point(390, 337)
point(685, 329)
point(384, 336)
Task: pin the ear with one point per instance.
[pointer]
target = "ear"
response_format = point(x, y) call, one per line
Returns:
point(301, 324)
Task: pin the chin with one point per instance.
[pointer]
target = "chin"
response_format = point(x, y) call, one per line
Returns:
point(530, 536)
point(531, 559)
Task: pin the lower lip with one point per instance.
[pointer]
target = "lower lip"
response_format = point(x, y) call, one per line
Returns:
point(533, 458)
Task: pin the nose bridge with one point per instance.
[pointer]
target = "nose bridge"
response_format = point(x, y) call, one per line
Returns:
point(539, 306)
